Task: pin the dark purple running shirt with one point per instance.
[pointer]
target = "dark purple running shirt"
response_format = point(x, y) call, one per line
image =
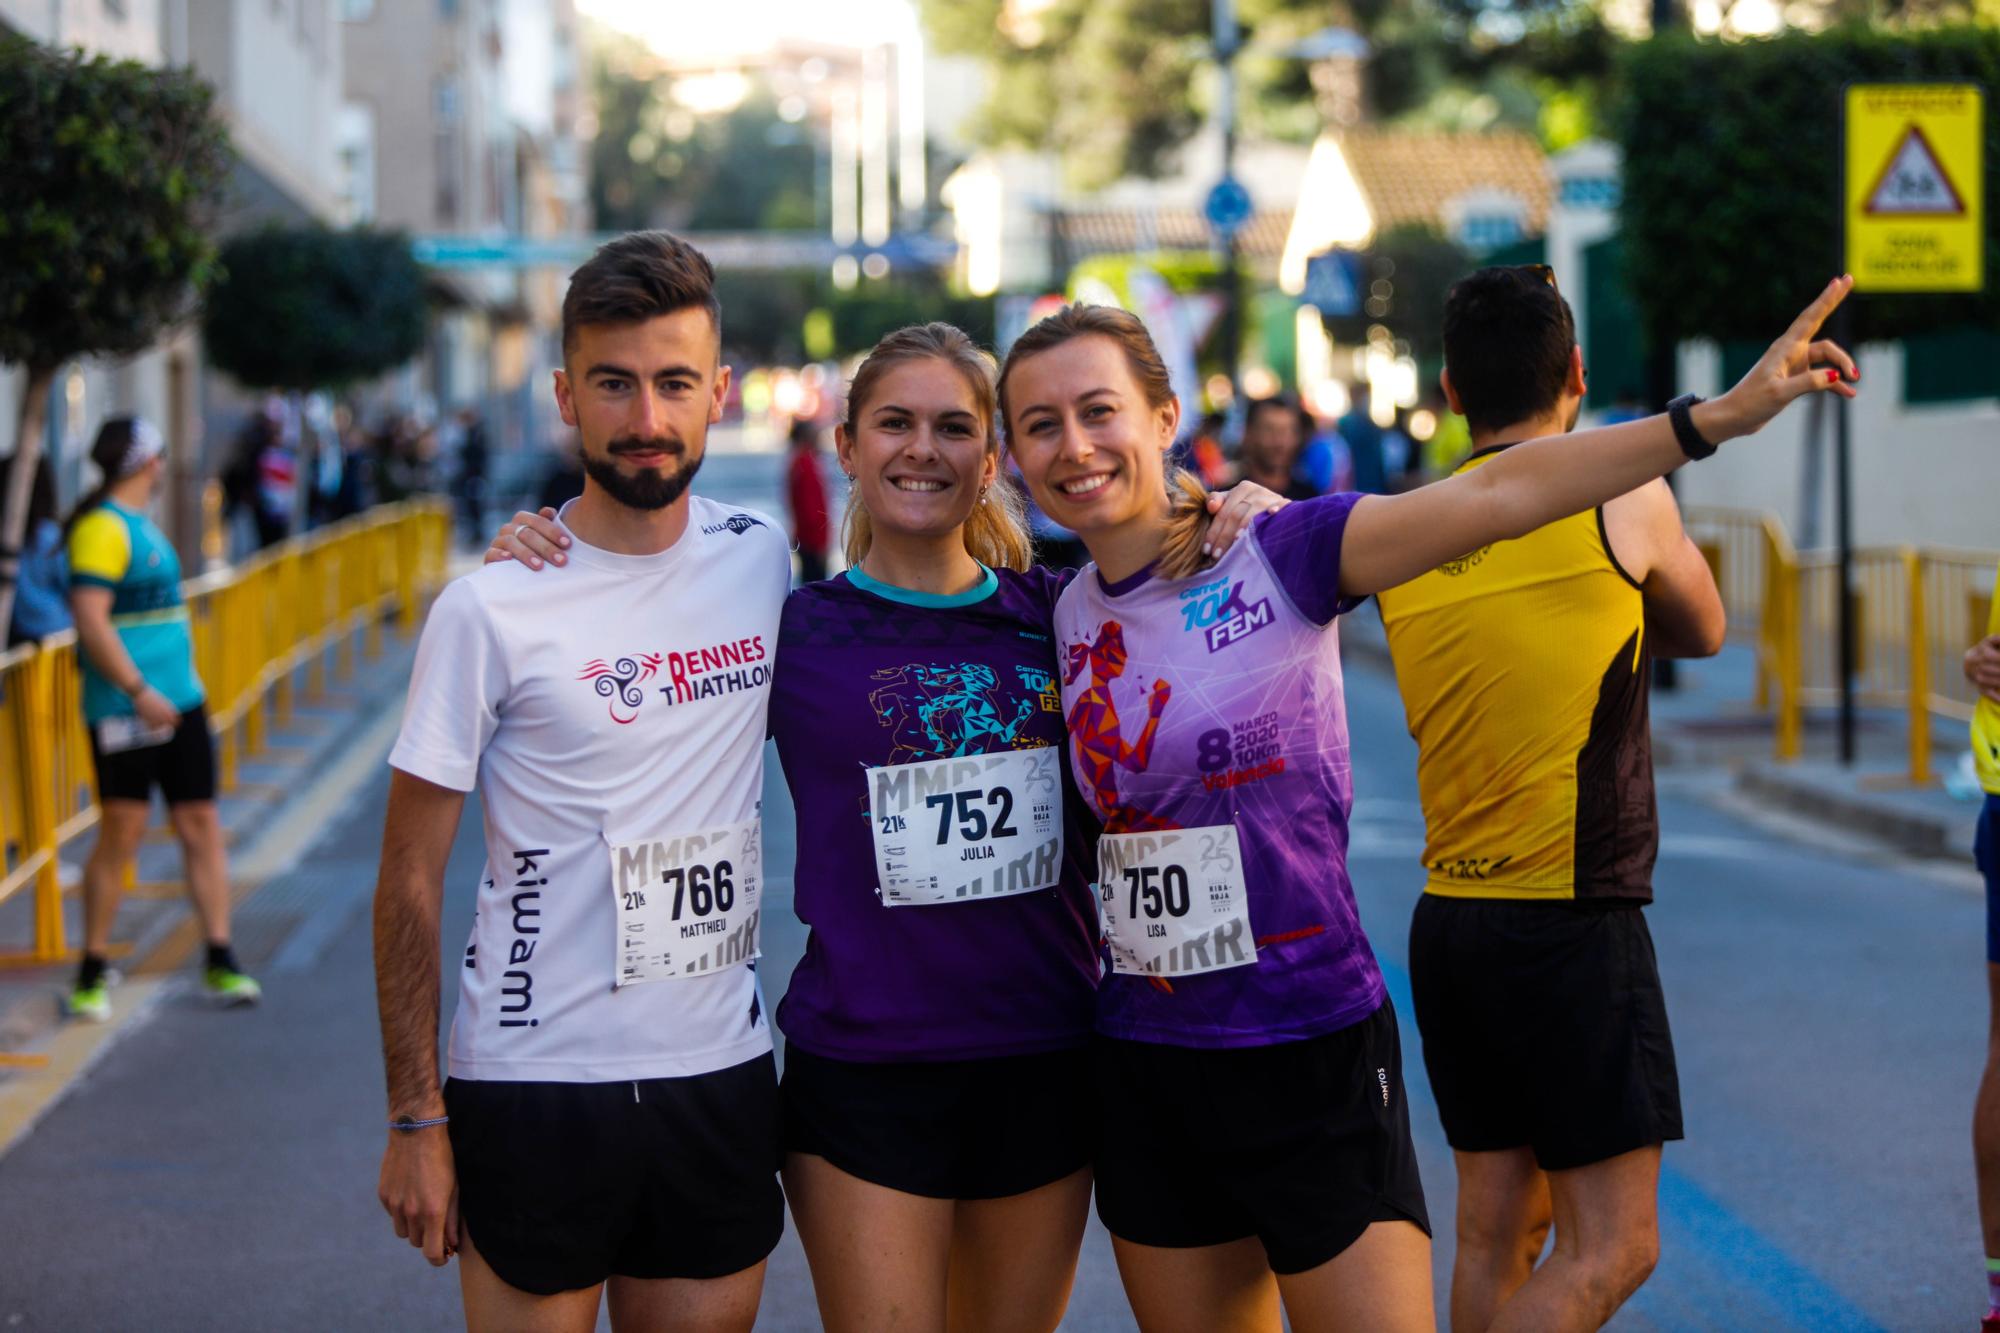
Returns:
point(869, 677)
point(1240, 665)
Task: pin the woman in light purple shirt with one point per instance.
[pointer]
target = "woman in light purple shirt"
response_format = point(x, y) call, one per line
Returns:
point(1255, 1144)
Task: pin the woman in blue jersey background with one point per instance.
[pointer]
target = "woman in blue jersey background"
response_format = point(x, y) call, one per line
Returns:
point(143, 702)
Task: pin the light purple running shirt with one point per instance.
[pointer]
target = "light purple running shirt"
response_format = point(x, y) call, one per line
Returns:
point(1252, 732)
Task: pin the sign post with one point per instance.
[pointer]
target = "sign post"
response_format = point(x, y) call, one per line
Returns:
point(1911, 199)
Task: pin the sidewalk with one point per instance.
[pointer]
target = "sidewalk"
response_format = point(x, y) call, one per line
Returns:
point(1706, 728)
point(337, 740)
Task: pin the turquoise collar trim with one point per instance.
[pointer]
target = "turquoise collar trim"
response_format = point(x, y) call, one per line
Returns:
point(988, 584)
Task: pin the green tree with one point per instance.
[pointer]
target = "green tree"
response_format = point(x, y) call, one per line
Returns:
point(312, 308)
point(655, 163)
point(1117, 86)
point(113, 171)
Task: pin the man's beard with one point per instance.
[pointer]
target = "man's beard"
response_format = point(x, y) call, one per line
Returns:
point(648, 489)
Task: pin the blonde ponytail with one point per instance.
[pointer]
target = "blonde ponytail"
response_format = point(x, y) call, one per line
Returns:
point(1187, 526)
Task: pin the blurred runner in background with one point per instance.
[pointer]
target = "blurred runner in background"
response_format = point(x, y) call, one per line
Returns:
point(805, 496)
point(144, 706)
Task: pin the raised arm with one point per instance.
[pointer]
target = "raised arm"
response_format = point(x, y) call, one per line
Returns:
point(419, 1184)
point(1391, 539)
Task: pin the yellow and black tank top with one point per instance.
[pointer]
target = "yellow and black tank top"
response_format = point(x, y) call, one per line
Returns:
point(1523, 668)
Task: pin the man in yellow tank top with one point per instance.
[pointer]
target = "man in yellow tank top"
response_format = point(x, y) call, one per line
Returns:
point(1982, 668)
point(1524, 669)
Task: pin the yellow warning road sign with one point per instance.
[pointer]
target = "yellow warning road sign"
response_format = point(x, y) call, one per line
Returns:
point(1916, 187)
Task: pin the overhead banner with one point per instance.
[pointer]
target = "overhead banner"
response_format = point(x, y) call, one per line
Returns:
point(1915, 187)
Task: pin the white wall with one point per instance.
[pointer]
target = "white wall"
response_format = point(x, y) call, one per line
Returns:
point(283, 91)
point(1922, 475)
point(129, 29)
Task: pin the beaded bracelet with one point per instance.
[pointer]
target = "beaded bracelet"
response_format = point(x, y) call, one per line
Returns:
point(406, 1124)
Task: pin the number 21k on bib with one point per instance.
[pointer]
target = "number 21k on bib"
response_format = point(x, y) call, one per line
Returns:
point(954, 830)
point(687, 904)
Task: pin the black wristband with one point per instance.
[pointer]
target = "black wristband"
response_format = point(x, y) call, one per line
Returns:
point(1680, 413)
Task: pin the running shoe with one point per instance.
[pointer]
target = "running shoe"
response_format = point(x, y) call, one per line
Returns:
point(1990, 1324)
point(89, 1002)
point(228, 987)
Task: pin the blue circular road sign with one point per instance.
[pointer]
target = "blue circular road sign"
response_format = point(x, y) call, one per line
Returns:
point(1228, 205)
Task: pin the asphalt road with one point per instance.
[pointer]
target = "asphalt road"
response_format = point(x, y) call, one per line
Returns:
point(216, 1171)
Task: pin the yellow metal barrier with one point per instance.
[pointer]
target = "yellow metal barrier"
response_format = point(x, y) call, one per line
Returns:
point(254, 627)
point(1734, 542)
point(1780, 672)
point(1916, 610)
point(1756, 572)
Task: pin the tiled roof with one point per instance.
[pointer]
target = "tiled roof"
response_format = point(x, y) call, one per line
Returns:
point(1408, 176)
point(1122, 231)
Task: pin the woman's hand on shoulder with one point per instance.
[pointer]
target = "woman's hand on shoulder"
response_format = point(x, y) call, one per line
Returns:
point(530, 539)
point(1231, 512)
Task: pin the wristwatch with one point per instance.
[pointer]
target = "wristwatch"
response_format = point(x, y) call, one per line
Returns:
point(1680, 412)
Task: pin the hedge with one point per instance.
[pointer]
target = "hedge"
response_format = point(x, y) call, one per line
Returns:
point(1733, 176)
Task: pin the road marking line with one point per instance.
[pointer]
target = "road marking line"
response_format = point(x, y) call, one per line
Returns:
point(73, 1049)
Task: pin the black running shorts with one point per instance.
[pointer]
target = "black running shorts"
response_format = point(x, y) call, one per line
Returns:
point(1544, 1027)
point(182, 766)
point(562, 1185)
point(944, 1129)
point(1303, 1144)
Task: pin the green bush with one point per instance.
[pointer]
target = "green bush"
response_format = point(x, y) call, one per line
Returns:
point(1733, 177)
point(863, 315)
point(312, 308)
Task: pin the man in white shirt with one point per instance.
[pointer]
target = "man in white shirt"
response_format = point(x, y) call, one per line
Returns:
point(609, 1125)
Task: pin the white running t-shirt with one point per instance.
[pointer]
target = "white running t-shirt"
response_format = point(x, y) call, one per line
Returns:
point(622, 698)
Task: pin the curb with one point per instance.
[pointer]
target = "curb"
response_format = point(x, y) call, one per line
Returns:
point(1907, 831)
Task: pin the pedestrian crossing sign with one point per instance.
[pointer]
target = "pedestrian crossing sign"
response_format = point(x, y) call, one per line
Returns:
point(1915, 188)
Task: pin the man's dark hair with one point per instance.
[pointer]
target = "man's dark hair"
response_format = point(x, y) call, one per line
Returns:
point(1275, 403)
point(1507, 339)
point(639, 276)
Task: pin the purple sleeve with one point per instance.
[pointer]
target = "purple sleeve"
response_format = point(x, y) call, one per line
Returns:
point(1045, 585)
point(1301, 544)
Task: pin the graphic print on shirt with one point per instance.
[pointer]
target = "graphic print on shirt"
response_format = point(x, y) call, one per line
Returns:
point(1098, 736)
point(736, 523)
point(517, 988)
point(1222, 614)
point(697, 673)
point(947, 711)
point(1254, 739)
point(618, 682)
